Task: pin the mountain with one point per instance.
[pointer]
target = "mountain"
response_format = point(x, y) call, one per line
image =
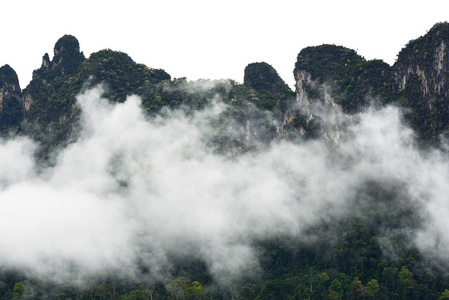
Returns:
point(66, 61)
point(417, 81)
point(230, 190)
point(48, 102)
point(49, 99)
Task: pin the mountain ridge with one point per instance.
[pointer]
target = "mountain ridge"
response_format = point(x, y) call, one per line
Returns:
point(353, 82)
point(214, 189)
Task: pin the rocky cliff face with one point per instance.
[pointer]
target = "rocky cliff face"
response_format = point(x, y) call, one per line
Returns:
point(9, 84)
point(324, 77)
point(421, 80)
point(11, 111)
point(303, 81)
point(329, 80)
point(266, 85)
point(271, 92)
point(418, 81)
point(427, 58)
point(47, 100)
point(47, 81)
point(66, 60)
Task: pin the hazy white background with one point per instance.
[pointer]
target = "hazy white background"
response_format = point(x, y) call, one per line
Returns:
point(212, 39)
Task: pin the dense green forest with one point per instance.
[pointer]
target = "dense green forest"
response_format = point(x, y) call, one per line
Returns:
point(365, 253)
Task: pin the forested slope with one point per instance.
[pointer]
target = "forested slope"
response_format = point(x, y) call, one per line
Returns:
point(333, 191)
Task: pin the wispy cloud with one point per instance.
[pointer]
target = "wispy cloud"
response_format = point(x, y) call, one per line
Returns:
point(133, 190)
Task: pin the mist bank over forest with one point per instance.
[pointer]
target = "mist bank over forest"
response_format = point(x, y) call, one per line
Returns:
point(117, 181)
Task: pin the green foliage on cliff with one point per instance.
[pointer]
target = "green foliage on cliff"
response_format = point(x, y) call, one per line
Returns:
point(421, 80)
point(11, 115)
point(11, 111)
point(181, 92)
point(121, 75)
point(67, 57)
point(66, 61)
point(353, 81)
point(53, 91)
point(8, 77)
point(420, 51)
point(53, 111)
point(328, 62)
point(270, 90)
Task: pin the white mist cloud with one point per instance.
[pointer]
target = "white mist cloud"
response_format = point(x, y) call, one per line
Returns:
point(16, 161)
point(135, 190)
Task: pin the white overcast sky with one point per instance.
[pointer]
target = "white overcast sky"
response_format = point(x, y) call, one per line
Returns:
point(212, 39)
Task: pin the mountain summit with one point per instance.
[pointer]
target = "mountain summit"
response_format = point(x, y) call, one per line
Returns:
point(66, 60)
point(418, 81)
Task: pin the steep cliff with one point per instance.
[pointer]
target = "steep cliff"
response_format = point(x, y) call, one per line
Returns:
point(66, 60)
point(50, 98)
point(421, 80)
point(327, 81)
point(269, 91)
point(38, 96)
point(418, 81)
point(11, 110)
point(266, 84)
point(352, 81)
